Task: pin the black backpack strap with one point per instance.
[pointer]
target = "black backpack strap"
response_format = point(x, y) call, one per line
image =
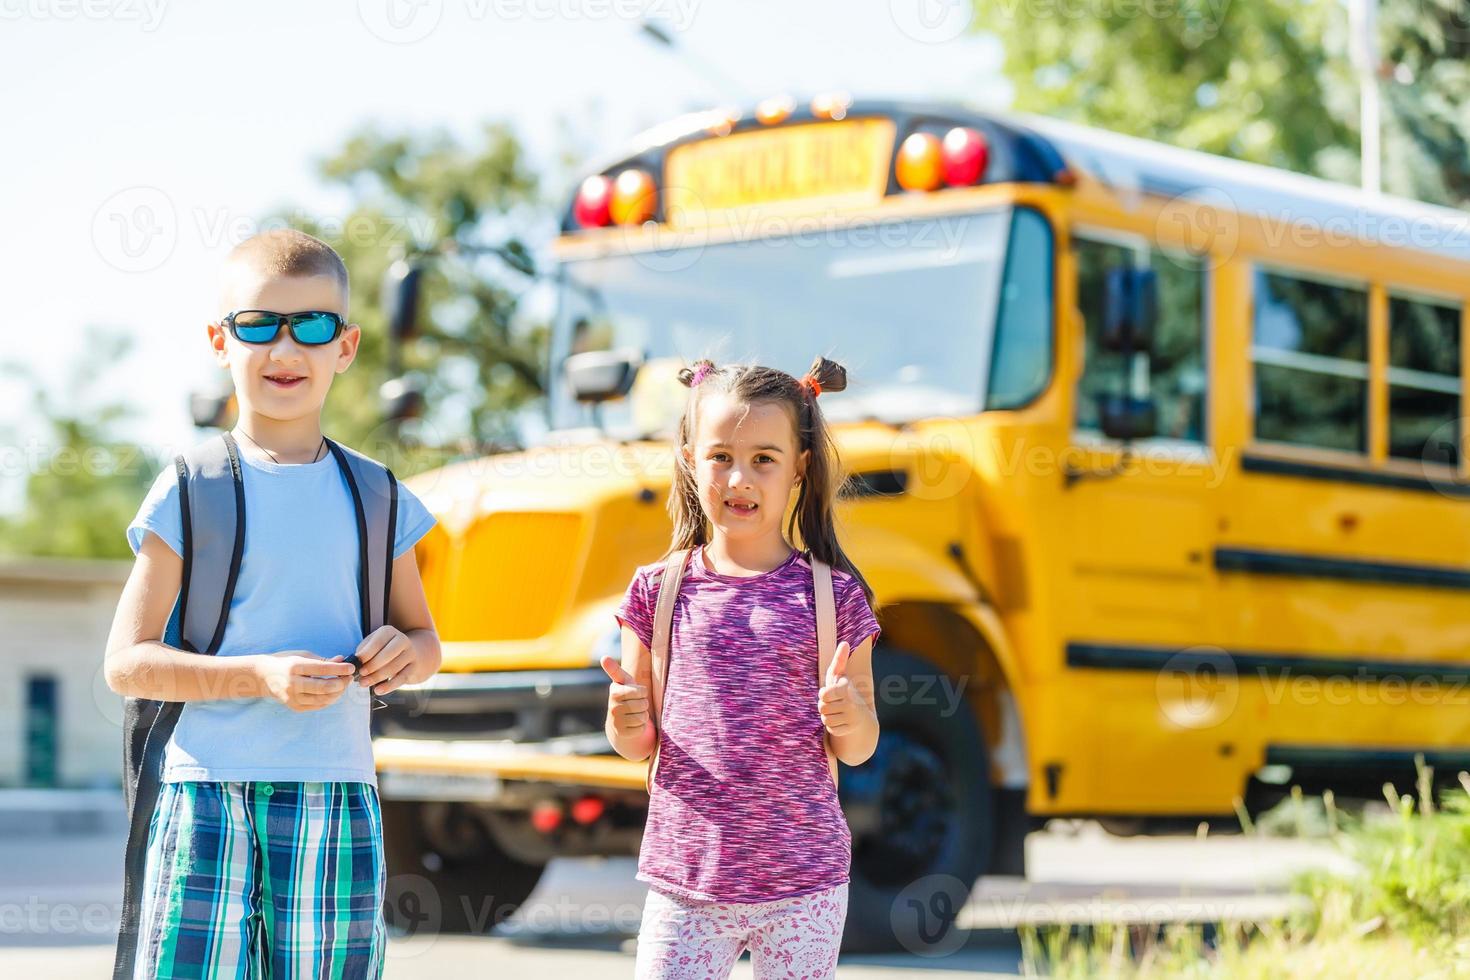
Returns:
point(374, 492)
point(212, 516)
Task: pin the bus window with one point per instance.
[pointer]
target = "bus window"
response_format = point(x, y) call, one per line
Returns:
point(1175, 369)
point(1423, 380)
point(1021, 359)
point(1310, 358)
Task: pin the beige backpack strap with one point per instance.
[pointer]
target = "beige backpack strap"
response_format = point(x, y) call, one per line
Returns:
point(663, 625)
point(826, 615)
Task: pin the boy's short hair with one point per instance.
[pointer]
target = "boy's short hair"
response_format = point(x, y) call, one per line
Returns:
point(288, 252)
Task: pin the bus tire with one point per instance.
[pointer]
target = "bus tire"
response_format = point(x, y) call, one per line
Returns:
point(921, 811)
point(456, 879)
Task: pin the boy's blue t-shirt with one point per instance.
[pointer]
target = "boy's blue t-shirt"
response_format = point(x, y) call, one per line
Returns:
point(297, 590)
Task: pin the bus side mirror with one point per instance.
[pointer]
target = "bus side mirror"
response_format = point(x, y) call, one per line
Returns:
point(400, 299)
point(1128, 418)
point(601, 375)
point(1130, 309)
point(401, 398)
point(214, 407)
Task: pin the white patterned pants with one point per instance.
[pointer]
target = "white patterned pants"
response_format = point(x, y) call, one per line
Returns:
point(682, 939)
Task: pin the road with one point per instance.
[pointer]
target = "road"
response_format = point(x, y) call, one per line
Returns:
point(58, 896)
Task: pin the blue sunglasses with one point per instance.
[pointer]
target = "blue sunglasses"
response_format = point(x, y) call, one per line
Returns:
point(312, 328)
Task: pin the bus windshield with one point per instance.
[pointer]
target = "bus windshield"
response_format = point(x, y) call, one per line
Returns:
point(907, 307)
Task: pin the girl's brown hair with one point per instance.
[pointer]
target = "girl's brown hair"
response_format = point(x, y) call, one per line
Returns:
point(813, 517)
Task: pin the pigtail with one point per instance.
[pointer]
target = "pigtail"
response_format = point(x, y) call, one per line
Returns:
point(815, 515)
point(691, 376)
point(824, 375)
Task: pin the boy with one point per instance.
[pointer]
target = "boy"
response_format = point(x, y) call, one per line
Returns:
point(265, 854)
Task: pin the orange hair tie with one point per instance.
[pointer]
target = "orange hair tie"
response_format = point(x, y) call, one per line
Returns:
point(813, 384)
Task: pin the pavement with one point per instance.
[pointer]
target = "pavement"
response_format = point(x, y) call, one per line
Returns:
point(61, 877)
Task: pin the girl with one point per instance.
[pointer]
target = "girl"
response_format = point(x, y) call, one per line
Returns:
point(746, 845)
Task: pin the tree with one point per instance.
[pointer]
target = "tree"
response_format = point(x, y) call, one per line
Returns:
point(83, 484)
point(435, 197)
point(1426, 51)
point(1268, 81)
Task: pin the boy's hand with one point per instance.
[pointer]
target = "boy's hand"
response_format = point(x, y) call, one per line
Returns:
point(627, 700)
point(384, 659)
point(303, 682)
point(838, 701)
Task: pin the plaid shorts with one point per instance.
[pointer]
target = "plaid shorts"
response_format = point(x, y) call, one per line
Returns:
point(263, 880)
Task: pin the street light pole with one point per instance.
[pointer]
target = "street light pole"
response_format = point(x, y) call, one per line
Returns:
point(1363, 46)
point(724, 83)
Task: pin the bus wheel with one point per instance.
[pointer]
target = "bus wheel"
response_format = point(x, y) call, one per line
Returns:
point(445, 871)
point(921, 811)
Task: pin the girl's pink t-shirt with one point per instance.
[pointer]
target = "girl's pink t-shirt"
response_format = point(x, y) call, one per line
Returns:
point(743, 808)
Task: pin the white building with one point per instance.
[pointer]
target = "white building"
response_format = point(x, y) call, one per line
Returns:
point(62, 726)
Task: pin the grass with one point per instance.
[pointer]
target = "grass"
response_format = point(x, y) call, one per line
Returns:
point(1404, 913)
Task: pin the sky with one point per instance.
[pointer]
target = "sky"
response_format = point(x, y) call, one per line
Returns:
point(148, 137)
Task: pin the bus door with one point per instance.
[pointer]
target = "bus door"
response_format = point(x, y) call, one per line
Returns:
point(1138, 507)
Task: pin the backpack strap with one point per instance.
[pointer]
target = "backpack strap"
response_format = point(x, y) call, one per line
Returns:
point(212, 507)
point(663, 625)
point(824, 608)
point(374, 491)
point(212, 519)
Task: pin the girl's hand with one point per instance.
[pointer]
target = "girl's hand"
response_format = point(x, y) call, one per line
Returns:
point(627, 700)
point(841, 705)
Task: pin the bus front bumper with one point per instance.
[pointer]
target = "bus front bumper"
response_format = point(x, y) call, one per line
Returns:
point(497, 737)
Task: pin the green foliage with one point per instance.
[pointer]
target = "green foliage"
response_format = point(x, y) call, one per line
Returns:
point(1269, 81)
point(1404, 913)
point(1427, 105)
point(1239, 79)
point(436, 196)
point(1416, 880)
point(82, 483)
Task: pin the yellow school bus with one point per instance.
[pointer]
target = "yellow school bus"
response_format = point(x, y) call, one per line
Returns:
point(1157, 469)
